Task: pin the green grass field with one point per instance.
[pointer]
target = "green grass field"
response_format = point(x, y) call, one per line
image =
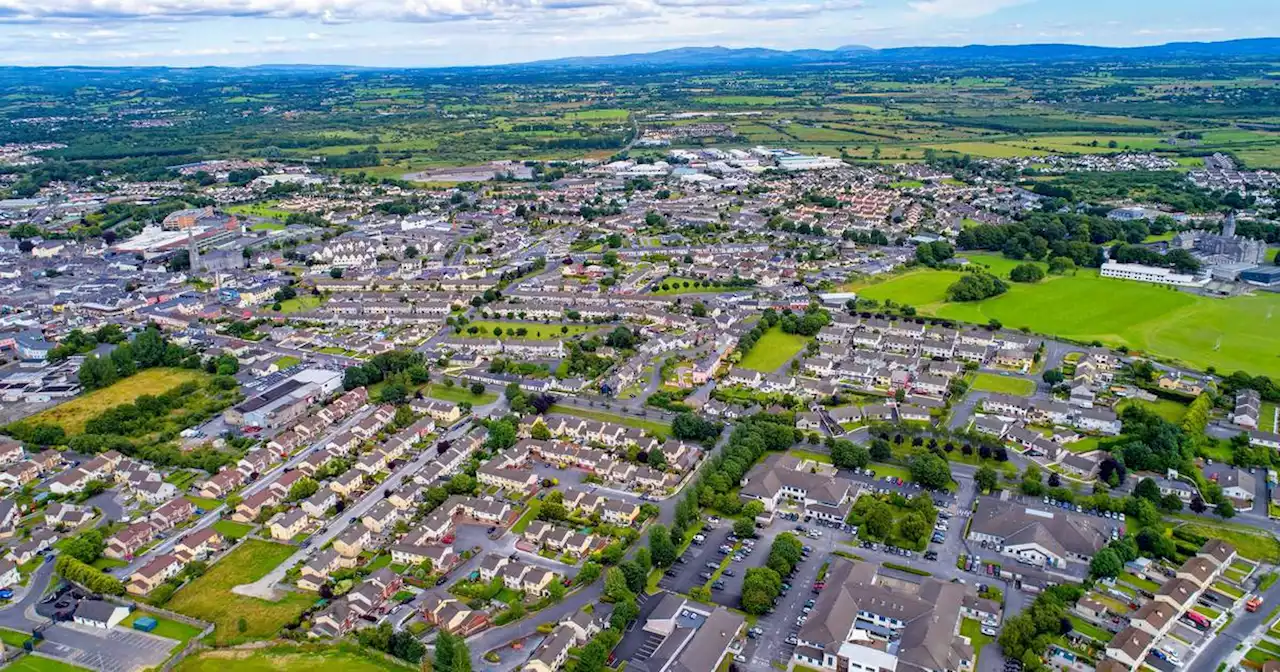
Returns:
point(527, 517)
point(654, 427)
point(287, 361)
point(72, 415)
point(231, 529)
point(13, 638)
point(30, 663)
point(458, 394)
point(1251, 543)
point(164, 627)
point(290, 658)
point(990, 382)
point(535, 331)
point(971, 628)
point(299, 303)
point(264, 209)
point(676, 285)
point(773, 350)
point(1166, 408)
point(1233, 334)
point(209, 597)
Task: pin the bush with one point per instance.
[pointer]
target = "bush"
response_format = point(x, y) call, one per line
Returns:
point(86, 575)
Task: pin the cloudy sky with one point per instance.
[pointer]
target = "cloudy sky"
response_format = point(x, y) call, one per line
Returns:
point(478, 32)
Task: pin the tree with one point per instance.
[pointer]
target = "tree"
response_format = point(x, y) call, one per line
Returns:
point(303, 488)
point(913, 526)
point(477, 389)
point(1225, 510)
point(1053, 376)
point(1026, 273)
point(879, 520)
point(986, 478)
point(744, 527)
point(661, 547)
point(846, 455)
point(930, 471)
point(881, 451)
point(540, 432)
point(1197, 504)
point(615, 585)
point(1105, 564)
point(1147, 489)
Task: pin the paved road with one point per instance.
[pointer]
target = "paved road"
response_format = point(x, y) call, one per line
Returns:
point(1244, 626)
point(211, 517)
point(265, 587)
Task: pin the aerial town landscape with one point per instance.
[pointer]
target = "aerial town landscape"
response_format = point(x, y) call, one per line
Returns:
point(912, 359)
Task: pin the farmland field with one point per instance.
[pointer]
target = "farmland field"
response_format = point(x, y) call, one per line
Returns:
point(210, 598)
point(72, 415)
point(1230, 334)
point(773, 350)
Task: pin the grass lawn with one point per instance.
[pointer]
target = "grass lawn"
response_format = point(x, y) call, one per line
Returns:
point(210, 598)
point(990, 382)
point(657, 428)
point(1089, 630)
point(182, 479)
point(30, 663)
point(105, 562)
point(906, 184)
point(676, 285)
point(773, 350)
point(164, 627)
point(806, 455)
point(267, 226)
point(527, 517)
point(260, 209)
point(882, 469)
point(1138, 582)
point(206, 503)
point(379, 562)
point(290, 658)
point(971, 628)
point(1249, 542)
point(535, 331)
point(1166, 408)
point(14, 638)
point(1208, 612)
point(458, 394)
point(1228, 589)
point(300, 302)
point(1230, 334)
point(287, 361)
point(73, 414)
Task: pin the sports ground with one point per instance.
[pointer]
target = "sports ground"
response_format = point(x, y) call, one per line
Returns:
point(1235, 334)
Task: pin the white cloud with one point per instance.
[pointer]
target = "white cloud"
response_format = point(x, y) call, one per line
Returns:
point(961, 9)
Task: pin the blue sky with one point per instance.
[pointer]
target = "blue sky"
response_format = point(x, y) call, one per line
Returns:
point(478, 32)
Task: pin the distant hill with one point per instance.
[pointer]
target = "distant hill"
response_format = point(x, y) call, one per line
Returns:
point(699, 57)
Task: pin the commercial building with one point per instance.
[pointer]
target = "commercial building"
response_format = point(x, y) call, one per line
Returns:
point(1152, 274)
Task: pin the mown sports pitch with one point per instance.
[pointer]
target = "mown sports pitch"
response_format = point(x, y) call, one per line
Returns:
point(1235, 334)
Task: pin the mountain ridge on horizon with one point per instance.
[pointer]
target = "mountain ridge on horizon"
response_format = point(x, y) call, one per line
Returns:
point(720, 56)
